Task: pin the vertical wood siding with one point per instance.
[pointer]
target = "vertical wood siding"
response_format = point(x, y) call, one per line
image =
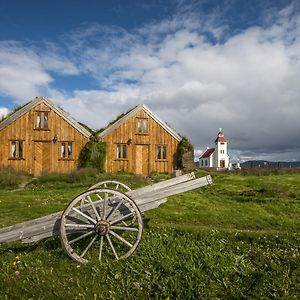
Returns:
point(141, 148)
point(41, 154)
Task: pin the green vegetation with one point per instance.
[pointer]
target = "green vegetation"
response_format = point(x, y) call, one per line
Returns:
point(10, 179)
point(237, 239)
point(183, 146)
point(93, 155)
point(120, 116)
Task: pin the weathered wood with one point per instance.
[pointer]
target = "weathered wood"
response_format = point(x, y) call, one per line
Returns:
point(142, 147)
point(146, 198)
point(41, 146)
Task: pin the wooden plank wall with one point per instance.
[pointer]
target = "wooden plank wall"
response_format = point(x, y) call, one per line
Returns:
point(127, 133)
point(41, 153)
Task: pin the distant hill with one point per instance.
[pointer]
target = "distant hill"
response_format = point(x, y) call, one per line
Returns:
point(270, 164)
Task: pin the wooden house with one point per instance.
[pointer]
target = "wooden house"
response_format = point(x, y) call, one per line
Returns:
point(41, 138)
point(140, 143)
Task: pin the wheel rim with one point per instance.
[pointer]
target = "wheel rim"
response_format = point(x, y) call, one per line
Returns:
point(111, 184)
point(101, 223)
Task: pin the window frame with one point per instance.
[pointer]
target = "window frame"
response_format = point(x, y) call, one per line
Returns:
point(42, 120)
point(121, 151)
point(142, 126)
point(161, 152)
point(66, 150)
point(18, 152)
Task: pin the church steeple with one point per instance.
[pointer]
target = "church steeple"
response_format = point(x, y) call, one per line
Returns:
point(220, 137)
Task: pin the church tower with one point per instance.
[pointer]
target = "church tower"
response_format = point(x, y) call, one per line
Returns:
point(221, 157)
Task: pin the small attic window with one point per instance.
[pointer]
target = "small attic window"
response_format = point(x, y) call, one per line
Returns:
point(142, 126)
point(42, 120)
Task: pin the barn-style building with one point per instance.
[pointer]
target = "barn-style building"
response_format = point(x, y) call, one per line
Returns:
point(41, 138)
point(140, 143)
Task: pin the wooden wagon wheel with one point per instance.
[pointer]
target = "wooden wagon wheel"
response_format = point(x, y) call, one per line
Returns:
point(111, 184)
point(101, 222)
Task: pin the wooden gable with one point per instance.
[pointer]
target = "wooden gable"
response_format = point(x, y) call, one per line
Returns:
point(41, 138)
point(140, 143)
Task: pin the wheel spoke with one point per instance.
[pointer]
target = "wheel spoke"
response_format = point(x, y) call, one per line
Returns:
point(79, 225)
point(112, 247)
point(124, 228)
point(94, 208)
point(104, 206)
point(101, 222)
point(84, 215)
point(89, 246)
point(81, 237)
point(120, 238)
point(113, 210)
point(122, 218)
point(101, 246)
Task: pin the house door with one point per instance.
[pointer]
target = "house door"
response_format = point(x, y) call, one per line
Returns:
point(222, 163)
point(142, 159)
point(42, 159)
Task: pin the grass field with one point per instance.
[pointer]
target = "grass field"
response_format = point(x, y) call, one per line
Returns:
point(237, 239)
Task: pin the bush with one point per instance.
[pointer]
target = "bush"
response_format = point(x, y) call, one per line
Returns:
point(183, 147)
point(85, 176)
point(93, 155)
point(12, 179)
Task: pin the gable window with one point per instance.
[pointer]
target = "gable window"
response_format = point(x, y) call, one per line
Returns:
point(16, 149)
point(42, 119)
point(66, 150)
point(161, 152)
point(121, 151)
point(142, 126)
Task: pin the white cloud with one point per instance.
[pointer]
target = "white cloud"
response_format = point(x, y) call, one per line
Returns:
point(21, 74)
point(3, 112)
point(246, 83)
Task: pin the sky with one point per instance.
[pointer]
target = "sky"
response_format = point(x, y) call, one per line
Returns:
point(198, 65)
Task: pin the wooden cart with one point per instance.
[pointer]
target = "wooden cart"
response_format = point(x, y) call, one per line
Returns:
point(105, 220)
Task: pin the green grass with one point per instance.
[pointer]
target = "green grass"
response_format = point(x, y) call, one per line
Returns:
point(237, 239)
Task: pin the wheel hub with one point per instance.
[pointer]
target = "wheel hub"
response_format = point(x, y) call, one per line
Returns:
point(102, 228)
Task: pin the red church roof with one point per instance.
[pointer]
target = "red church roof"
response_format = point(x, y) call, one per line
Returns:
point(207, 153)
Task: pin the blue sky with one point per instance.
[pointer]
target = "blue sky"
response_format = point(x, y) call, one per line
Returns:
point(199, 65)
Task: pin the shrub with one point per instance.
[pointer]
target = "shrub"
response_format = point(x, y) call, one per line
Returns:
point(183, 147)
point(12, 179)
point(93, 155)
point(85, 176)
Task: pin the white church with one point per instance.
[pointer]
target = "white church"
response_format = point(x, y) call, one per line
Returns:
point(216, 157)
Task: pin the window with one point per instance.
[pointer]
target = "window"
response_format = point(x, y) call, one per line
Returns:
point(16, 149)
point(42, 119)
point(202, 163)
point(161, 152)
point(142, 126)
point(206, 163)
point(66, 150)
point(45, 119)
point(121, 151)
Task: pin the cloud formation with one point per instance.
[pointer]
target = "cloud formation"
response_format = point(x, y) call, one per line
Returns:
point(3, 112)
point(187, 69)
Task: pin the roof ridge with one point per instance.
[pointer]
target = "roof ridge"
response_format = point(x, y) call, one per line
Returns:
point(132, 112)
point(65, 115)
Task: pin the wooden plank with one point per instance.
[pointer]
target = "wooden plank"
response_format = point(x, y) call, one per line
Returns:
point(159, 185)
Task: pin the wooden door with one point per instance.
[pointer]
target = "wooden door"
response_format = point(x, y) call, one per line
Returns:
point(42, 159)
point(142, 159)
point(222, 163)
